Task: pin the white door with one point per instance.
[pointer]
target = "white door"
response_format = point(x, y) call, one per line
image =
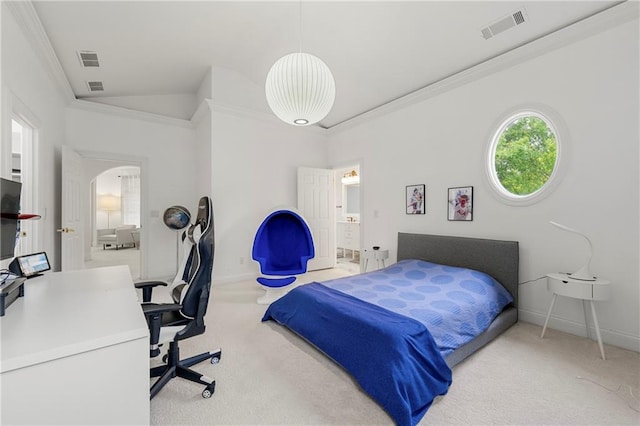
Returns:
point(71, 229)
point(316, 202)
point(24, 171)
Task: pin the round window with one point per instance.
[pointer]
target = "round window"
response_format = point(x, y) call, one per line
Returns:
point(523, 157)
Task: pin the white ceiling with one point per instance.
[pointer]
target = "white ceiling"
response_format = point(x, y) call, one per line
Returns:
point(378, 51)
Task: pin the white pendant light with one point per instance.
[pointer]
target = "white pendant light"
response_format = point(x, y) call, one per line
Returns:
point(300, 88)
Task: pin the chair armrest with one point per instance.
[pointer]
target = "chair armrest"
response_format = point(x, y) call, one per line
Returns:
point(150, 309)
point(153, 313)
point(147, 288)
point(123, 235)
point(106, 231)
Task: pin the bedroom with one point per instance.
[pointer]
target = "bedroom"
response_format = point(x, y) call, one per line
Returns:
point(589, 79)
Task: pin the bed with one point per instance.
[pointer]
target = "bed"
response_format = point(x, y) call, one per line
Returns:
point(398, 331)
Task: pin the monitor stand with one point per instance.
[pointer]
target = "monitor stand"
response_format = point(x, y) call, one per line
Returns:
point(11, 290)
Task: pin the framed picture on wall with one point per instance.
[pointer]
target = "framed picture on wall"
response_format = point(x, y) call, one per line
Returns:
point(415, 201)
point(460, 203)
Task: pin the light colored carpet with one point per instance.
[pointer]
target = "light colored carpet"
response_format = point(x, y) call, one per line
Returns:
point(269, 376)
point(129, 256)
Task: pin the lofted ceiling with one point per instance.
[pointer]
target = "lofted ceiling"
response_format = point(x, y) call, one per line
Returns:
point(378, 51)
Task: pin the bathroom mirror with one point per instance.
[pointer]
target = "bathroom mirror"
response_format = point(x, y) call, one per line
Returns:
point(351, 199)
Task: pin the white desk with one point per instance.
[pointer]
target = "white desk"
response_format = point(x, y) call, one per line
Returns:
point(75, 350)
point(561, 285)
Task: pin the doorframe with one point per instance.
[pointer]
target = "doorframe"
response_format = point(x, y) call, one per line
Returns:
point(346, 164)
point(143, 163)
point(14, 109)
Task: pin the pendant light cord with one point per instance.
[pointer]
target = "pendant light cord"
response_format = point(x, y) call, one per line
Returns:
point(300, 25)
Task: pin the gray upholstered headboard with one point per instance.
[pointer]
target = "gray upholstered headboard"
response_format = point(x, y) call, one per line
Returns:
point(497, 258)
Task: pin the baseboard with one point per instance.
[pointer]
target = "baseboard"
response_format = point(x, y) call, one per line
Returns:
point(610, 337)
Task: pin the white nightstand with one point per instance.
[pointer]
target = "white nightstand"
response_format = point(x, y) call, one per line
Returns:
point(562, 285)
point(377, 255)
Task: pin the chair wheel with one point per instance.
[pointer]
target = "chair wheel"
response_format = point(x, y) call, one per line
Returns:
point(215, 358)
point(209, 390)
point(165, 357)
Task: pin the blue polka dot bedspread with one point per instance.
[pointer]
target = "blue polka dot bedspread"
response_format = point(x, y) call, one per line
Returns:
point(391, 328)
point(455, 304)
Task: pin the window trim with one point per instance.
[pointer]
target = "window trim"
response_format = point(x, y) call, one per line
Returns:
point(555, 122)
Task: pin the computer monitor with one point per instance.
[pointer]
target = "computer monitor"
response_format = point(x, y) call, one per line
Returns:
point(9, 209)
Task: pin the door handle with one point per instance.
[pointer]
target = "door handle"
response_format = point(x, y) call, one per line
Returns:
point(65, 230)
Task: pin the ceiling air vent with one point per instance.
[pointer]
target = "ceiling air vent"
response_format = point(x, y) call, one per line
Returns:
point(516, 18)
point(88, 59)
point(95, 86)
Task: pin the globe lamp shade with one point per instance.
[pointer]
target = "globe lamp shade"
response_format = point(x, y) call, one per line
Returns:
point(300, 89)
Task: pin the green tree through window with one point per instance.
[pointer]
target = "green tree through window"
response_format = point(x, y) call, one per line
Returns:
point(525, 155)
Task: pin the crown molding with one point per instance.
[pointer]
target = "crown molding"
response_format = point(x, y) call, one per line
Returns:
point(620, 13)
point(241, 112)
point(201, 112)
point(128, 113)
point(616, 15)
point(28, 20)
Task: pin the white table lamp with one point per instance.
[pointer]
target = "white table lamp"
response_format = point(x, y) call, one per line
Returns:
point(583, 273)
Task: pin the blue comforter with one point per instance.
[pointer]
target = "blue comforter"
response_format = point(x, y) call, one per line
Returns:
point(393, 328)
point(393, 357)
point(455, 304)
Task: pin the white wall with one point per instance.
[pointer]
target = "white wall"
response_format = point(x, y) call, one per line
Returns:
point(167, 150)
point(202, 124)
point(254, 170)
point(253, 160)
point(26, 81)
point(441, 142)
point(592, 84)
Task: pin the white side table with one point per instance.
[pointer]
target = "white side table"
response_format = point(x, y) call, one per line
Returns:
point(562, 285)
point(377, 255)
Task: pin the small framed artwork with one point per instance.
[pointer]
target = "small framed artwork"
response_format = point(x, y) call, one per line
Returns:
point(461, 203)
point(415, 201)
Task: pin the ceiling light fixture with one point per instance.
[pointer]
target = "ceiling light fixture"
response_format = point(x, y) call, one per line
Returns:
point(300, 88)
point(350, 178)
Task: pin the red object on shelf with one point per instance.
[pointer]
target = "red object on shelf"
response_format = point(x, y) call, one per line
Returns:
point(21, 216)
point(28, 216)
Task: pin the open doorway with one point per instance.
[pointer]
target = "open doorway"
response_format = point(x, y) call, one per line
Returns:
point(24, 170)
point(115, 219)
point(347, 181)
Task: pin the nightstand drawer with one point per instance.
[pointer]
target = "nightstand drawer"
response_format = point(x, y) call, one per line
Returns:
point(563, 284)
point(579, 290)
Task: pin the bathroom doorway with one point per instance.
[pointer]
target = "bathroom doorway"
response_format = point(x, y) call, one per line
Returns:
point(348, 225)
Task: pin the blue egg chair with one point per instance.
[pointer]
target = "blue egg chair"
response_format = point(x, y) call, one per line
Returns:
point(282, 246)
